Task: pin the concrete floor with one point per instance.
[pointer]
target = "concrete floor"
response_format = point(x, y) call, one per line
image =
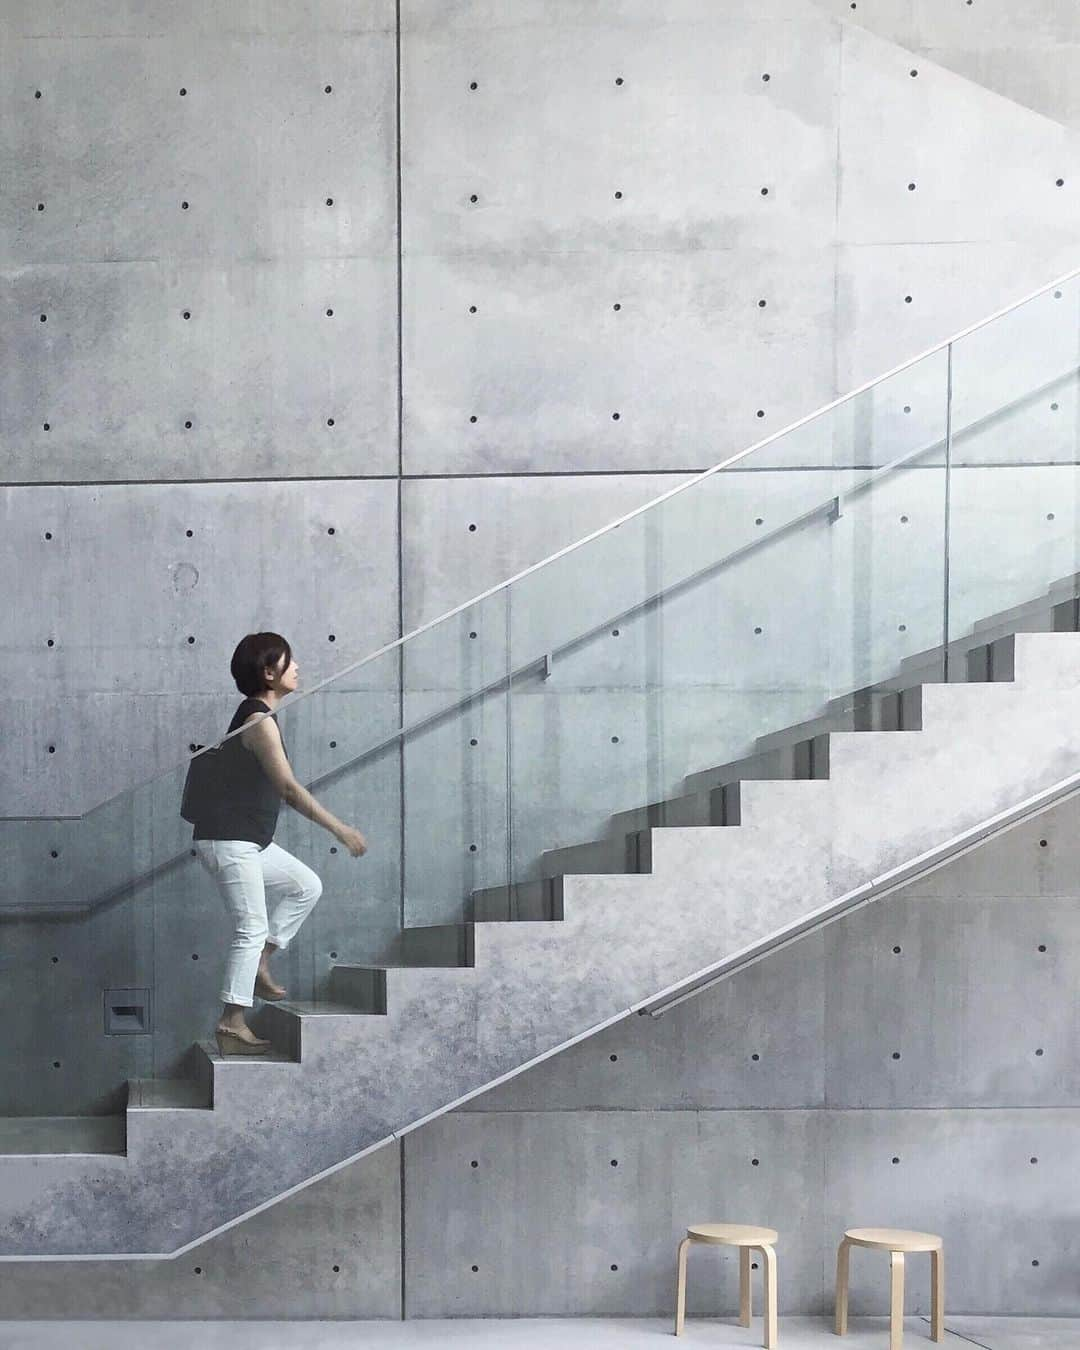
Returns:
point(540, 1333)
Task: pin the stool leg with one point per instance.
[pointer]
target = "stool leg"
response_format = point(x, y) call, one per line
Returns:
point(896, 1302)
point(937, 1295)
point(680, 1287)
point(769, 1258)
point(746, 1298)
point(843, 1264)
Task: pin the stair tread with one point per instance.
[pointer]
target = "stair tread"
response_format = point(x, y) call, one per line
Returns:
point(171, 1093)
point(325, 1007)
point(62, 1135)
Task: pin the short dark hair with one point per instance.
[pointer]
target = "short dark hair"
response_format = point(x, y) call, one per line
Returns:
point(253, 653)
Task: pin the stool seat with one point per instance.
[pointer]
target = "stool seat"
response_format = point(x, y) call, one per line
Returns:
point(733, 1234)
point(894, 1240)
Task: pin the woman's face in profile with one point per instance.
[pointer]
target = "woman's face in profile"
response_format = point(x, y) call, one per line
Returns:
point(288, 678)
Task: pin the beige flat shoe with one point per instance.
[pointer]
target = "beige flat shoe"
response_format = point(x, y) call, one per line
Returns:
point(232, 1043)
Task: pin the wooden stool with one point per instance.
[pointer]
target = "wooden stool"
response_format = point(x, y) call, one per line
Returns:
point(895, 1241)
point(747, 1239)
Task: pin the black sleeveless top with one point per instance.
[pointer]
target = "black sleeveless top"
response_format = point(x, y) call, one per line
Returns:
point(244, 803)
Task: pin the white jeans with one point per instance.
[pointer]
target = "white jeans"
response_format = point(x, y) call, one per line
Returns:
point(244, 874)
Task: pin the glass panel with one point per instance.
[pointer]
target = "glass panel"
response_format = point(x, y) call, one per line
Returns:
point(739, 607)
point(1014, 485)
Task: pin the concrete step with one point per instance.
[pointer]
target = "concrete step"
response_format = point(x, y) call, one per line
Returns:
point(782, 762)
point(37, 1136)
point(693, 808)
point(524, 901)
point(179, 1094)
point(596, 856)
point(447, 944)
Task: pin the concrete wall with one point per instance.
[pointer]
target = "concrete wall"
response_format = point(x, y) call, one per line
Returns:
point(256, 147)
point(773, 1098)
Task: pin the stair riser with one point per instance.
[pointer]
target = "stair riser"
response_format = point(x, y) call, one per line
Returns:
point(444, 945)
point(527, 902)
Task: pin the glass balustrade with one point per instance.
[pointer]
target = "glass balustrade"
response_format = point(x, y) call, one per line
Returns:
point(487, 753)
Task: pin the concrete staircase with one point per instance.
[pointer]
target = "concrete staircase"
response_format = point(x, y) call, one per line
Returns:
point(884, 774)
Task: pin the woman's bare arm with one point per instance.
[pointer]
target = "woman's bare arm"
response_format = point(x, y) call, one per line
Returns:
point(262, 736)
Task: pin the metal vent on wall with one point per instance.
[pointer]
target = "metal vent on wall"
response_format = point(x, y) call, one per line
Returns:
point(127, 1012)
